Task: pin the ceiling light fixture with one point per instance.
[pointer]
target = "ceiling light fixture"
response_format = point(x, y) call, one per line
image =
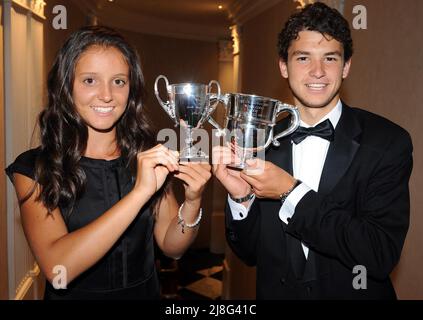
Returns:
point(220, 7)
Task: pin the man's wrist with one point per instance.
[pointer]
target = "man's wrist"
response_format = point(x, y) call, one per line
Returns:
point(243, 199)
point(285, 194)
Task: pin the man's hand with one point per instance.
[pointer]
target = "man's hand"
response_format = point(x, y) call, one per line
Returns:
point(229, 178)
point(267, 180)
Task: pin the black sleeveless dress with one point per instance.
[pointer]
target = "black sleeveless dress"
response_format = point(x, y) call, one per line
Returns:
point(127, 271)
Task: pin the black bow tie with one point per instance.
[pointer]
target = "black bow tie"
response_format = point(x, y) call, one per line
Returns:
point(323, 130)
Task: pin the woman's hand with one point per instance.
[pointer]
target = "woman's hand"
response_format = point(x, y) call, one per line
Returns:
point(195, 176)
point(153, 167)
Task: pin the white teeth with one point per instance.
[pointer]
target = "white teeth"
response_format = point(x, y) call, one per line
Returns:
point(316, 85)
point(103, 109)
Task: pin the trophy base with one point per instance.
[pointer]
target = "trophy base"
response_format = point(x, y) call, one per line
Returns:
point(194, 159)
point(238, 166)
point(247, 169)
point(193, 156)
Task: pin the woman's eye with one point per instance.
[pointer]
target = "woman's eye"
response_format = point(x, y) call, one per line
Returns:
point(120, 82)
point(89, 81)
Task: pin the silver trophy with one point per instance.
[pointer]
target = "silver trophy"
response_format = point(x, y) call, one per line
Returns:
point(189, 105)
point(249, 123)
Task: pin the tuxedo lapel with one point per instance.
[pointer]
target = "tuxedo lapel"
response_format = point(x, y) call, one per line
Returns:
point(310, 270)
point(341, 151)
point(283, 158)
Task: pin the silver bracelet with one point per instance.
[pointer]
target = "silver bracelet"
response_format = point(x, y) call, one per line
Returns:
point(248, 197)
point(181, 220)
point(285, 195)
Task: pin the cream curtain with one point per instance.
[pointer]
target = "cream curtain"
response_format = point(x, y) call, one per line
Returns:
point(24, 78)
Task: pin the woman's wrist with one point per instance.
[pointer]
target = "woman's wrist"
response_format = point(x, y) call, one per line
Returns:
point(192, 205)
point(191, 209)
point(183, 222)
point(141, 194)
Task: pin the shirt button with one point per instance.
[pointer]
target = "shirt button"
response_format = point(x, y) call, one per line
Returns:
point(241, 215)
point(232, 236)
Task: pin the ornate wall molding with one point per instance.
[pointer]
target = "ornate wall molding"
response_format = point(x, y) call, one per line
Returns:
point(36, 7)
point(226, 51)
point(27, 282)
point(236, 38)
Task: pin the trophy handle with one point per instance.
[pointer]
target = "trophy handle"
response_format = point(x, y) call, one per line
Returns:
point(215, 96)
point(220, 132)
point(165, 105)
point(295, 121)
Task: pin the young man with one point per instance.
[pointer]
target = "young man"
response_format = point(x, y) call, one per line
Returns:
point(333, 202)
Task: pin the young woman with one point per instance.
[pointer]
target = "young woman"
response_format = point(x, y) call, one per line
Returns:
point(93, 196)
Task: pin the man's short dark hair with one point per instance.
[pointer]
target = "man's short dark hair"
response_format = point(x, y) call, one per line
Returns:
point(316, 17)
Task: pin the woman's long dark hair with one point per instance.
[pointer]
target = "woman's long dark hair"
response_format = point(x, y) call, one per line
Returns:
point(64, 134)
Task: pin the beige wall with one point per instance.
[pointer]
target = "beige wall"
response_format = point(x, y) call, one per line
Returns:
point(24, 96)
point(3, 216)
point(385, 78)
point(259, 62)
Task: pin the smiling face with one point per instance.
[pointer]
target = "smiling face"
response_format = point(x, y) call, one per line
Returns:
point(101, 87)
point(315, 69)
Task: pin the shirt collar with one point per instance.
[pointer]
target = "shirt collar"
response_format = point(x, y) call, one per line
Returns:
point(334, 115)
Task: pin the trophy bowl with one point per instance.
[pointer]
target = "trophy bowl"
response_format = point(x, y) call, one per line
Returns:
point(189, 106)
point(249, 122)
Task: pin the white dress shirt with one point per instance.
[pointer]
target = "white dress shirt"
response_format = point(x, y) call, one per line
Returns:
point(308, 159)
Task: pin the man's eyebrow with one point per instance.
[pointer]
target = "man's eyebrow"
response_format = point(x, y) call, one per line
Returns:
point(334, 53)
point(302, 53)
point(307, 53)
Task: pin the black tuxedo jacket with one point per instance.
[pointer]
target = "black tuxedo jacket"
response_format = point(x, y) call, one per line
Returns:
point(358, 217)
